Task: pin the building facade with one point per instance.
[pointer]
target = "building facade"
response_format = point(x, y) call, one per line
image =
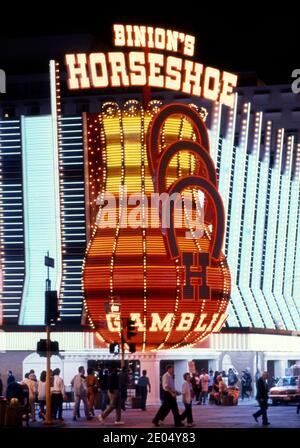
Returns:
point(42, 208)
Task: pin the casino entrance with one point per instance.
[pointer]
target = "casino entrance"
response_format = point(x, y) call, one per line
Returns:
point(133, 367)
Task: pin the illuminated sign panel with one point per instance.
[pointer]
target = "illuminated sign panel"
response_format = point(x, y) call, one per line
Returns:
point(171, 279)
point(149, 67)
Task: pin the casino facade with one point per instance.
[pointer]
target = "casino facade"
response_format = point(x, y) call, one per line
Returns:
point(53, 168)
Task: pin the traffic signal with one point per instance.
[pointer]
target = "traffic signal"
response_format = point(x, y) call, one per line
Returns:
point(131, 328)
point(114, 348)
point(132, 347)
point(51, 307)
point(42, 347)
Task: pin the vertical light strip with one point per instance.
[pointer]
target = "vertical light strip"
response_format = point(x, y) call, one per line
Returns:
point(55, 99)
point(72, 194)
point(226, 174)
point(258, 237)
point(42, 214)
point(270, 233)
point(11, 221)
point(289, 236)
point(280, 248)
point(225, 178)
point(296, 257)
point(121, 203)
point(215, 130)
point(144, 227)
point(248, 229)
point(235, 218)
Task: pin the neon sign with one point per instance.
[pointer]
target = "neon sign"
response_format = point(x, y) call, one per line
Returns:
point(150, 67)
point(176, 289)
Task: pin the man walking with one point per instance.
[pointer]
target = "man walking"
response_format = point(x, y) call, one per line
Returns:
point(169, 399)
point(144, 387)
point(80, 391)
point(262, 398)
point(114, 398)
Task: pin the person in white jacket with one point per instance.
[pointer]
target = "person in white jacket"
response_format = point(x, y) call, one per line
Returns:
point(187, 396)
point(31, 383)
point(79, 386)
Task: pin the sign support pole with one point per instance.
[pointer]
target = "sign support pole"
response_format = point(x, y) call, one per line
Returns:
point(48, 420)
point(122, 352)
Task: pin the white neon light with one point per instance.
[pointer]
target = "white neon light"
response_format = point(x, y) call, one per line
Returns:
point(294, 292)
point(42, 214)
point(235, 219)
point(248, 229)
point(281, 239)
point(215, 130)
point(275, 177)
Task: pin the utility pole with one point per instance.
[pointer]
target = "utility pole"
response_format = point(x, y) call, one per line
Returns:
point(122, 351)
point(48, 420)
point(49, 262)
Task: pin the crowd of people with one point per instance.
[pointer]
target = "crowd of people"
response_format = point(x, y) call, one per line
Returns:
point(111, 387)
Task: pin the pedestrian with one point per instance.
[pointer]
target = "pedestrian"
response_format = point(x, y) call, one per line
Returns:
point(262, 398)
point(215, 389)
point(187, 396)
point(169, 399)
point(211, 380)
point(144, 387)
point(204, 382)
point(1, 386)
point(123, 382)
point(195, 380)
point(31, 383)
point(104, 389)
point(21, 393)
point(114, 398)
point(298, 387)
point(246, 383)
point(223, 390)
point(232, 378)
point(92, 389)
point(79, 386)
point(57, 395)
point(10, 377)
point(42, 394)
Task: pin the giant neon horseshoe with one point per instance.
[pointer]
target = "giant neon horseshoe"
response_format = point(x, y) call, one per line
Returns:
point(176, 288)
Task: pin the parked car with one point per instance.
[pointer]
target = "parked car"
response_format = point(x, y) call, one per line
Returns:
point(285, 391)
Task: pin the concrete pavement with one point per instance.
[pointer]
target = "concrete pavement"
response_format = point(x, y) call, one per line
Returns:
point(208, 416)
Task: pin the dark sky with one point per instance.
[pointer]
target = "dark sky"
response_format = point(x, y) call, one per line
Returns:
point(268, 45)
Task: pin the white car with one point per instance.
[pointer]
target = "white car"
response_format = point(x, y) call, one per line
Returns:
point(285, 391)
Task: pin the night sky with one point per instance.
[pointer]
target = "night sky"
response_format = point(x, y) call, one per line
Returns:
point(265, 44)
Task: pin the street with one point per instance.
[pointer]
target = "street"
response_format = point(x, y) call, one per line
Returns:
point(208, 416)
